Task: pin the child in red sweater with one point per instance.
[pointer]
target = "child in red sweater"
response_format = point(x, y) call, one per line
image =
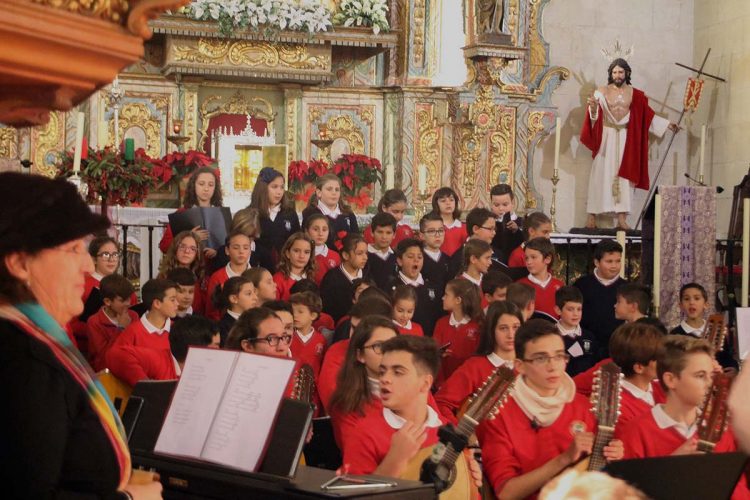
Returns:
point(317, 228)
point(539, 256)
point(445, 202)
point(308, 345)
point(404, 303)
point(113, 317)
point(238, 249)
point(393, 202)
point(296, 263)
point(458, 333)
point(535, 225)
point(544, 426)
point(496, 348)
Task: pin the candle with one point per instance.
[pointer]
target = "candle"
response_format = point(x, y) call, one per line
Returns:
point(558, 126)
point(745, 249)
point(80, 118)
point(389, 176)
point(84, 149)
point(657, 253)
point(702, 152)
point(102, 135)
point(422, 179)
point(621, 240)
point(129, 149)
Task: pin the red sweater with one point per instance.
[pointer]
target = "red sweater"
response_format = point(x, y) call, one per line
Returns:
point(517, 257)
point(219, 277)
point(325, 264)
point(329, 371)
point(284, 284)
point(102, 334)
point(310, 352)
point(545, 296)
point(324, 321)
point(137, 335)
point(585, 380)
point(464, 340)
point(403, 231)
point(363, 451)
point(131, 364)
point(464, 381)
point(632, 407)
point(511, 447)
point(415, 329)
point(455, 237)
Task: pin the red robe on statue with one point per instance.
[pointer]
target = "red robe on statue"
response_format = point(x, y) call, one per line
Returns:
point(634, 166)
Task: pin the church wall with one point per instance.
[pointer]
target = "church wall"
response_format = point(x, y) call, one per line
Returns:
point(661, 33)
point(723, 27)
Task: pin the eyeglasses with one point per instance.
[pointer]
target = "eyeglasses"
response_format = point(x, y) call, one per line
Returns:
point(435, 232)
point(491, 229)
point(109, 255)
point(543, 360)
point(187, 248)
point(273, 340)
point(377, 347)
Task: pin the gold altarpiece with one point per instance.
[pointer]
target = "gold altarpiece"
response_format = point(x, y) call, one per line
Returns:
point(373, 94)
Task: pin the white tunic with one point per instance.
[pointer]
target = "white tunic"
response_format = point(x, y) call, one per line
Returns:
point(609, 193)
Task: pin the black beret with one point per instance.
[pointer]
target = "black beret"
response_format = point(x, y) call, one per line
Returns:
point(37, 212)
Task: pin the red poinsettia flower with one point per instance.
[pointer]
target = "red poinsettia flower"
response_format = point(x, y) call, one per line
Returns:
point(348, 181)
point(297, 170)
point(319, 168)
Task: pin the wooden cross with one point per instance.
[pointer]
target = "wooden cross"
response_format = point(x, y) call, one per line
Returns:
point(700, 71)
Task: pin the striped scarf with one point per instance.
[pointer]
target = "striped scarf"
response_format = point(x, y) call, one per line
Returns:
point(33, 320)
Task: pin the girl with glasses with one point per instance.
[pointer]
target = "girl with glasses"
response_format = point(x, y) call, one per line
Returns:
point(186, 250)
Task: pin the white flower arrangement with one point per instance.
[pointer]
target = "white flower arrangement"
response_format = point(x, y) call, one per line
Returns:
point(272, 15)
point(363, 13)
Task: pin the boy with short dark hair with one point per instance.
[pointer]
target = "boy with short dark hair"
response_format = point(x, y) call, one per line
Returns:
point(536, 225)
point(111, 319)
point(308, 345)
point(480, 225)
point(495, 286)
point(544, 426)
point(693, 304)
point(632, 303)
point(539, 255)
point(432, 234)
point(508, 226)
point(580, 344)
point(185, 280)
point(381, 260)
point(599, 291)
point(522, 296)
point(239, 250)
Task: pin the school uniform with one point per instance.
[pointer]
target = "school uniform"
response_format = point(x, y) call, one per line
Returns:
point(581, 346)
point(411, 328)
point(435, 268)
point(131, 364)
point(455, 236)
point(545, 293)
point(477, 283)
point(225, 326)
point(333, 359)
point(464, 338)
point(337, 291)
point(200, 298)
point(505, 240)
point(326, 259)
point(284, 283)
point(428, 308)
point(325, 325)
point(103, 331)
point(381, 266)
point(465, 380)
point(456, 264)
point(403, 231)
point(517, 257)
point(142, 333)
point(309, 349)
point(364, 451)
point(218, 279)
point(684, 329)
point(513, 444)
point(635, 402)
point(599, 298)
point(340, 223)
point(259, 257)
point(275, 229)
point(584, 382)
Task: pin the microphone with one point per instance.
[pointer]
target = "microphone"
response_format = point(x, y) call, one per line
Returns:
point(719, 189)
point(535, 424)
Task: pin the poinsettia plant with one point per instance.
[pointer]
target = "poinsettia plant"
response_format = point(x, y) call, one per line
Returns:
point(178, 165)
point(111, 179)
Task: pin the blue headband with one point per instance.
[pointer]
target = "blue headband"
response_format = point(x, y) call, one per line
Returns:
point(268, 174)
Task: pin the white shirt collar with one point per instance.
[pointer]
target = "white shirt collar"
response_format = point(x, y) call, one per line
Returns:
point(408, 281)
point(383, 254)
point(402, 222)
point(602, 280)
point(327, 211)
point(396, 422)
point(433, 254)
point(454, 322)
point(646, 396)
point(453, 225)
point(233, 314)
point(113, 321)
point(305, 337)
point(186, 312)
point(274, 211)
point(476, 282)
point(513, 216)
point(97, 276)
point(664, 421)
point(374, 385)
point(573, 333)
point(407, 325)
point(497, 361)
point(695, 332)
point(539, 282)
point(297, 277)
point(230, 271)
point(321, 250)
point(150, 328)
point(349, 276)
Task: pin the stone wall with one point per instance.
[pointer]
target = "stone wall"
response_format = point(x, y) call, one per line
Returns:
point(661, 33)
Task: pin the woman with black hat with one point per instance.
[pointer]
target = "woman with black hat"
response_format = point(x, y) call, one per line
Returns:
point(59, 434)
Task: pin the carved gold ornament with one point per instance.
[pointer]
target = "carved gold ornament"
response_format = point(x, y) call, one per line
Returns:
point(49, 140)
point(252, 54)
point(429, 145)
point(502, 148)
point(419, 32)
point(138, 115)
point(8, 142)
point(238, 104)
point(343, 127)
point(469, 151)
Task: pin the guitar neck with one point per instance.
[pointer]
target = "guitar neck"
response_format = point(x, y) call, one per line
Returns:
point(603, 437)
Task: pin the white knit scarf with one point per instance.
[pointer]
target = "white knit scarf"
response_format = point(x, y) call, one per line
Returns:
point(543, 409)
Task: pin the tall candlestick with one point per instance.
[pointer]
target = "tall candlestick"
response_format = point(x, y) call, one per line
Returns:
point(745, 250)
point(389, 176)
point(422, 180)
point(703, 153)
point(80, 118)
point(657, 253)
point(558, 126)
point(622, 241)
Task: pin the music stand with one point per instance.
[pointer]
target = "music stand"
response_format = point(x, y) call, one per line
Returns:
point(711, 475)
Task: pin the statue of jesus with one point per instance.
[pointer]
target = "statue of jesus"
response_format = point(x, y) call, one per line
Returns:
point(616, 130)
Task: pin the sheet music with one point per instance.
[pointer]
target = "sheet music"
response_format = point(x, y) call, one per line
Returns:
point(247, 411)
point(195, 400)
point(743, 331)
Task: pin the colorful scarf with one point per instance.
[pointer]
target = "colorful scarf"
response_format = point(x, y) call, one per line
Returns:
point(543, 409)
point(33, 320)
